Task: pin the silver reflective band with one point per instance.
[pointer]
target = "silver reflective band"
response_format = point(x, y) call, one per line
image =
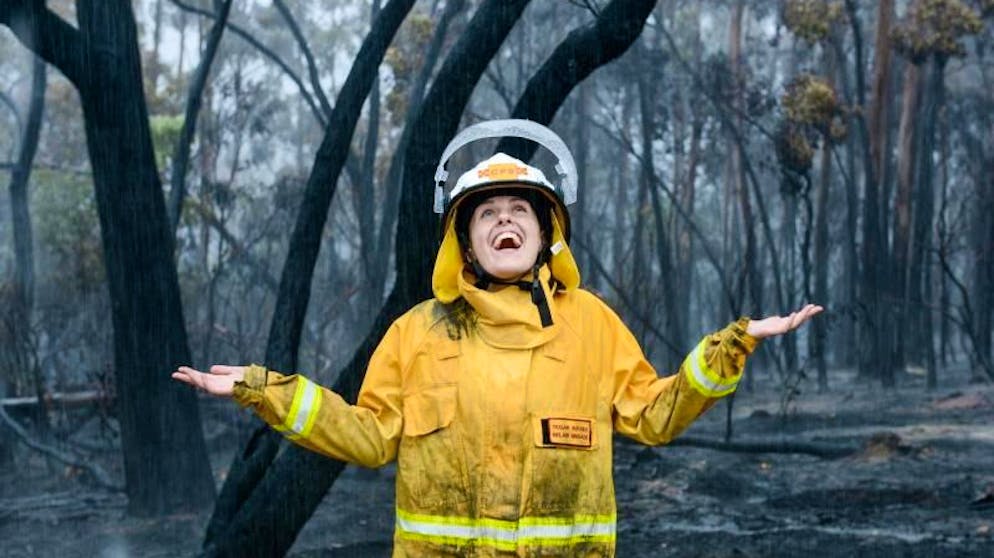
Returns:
point(303, 409)
point(511, 127)
point(549, 530)
point(716, 387)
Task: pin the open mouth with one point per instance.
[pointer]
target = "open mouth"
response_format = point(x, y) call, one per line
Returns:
point(507, 241)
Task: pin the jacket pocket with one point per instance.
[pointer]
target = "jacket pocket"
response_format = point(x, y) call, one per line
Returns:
point(571, 470)
point(429, 410)
point(431, 473)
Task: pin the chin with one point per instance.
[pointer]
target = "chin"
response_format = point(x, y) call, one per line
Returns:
point(508, 270)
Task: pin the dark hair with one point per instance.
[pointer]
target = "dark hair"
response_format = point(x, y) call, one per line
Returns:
point(540, 205)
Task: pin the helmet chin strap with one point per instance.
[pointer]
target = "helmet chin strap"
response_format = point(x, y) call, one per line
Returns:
point(484, 279)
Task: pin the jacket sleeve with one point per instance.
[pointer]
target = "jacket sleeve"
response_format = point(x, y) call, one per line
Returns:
point(319, 419)
point(655, 410)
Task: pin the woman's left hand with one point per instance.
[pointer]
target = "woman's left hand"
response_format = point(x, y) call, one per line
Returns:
point(778, 325)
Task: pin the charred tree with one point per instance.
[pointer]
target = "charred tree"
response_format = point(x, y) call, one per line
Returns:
point(900, 289)
point(165, 458)
point(230, 530)
point(584, 50)
point(873, 361)
point(15, 329)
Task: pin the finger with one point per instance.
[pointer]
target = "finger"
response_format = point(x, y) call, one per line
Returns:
point(187, 379)
point(224, 369)
point(188, 370)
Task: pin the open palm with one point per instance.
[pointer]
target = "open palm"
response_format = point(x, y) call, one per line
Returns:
point(778, 325)
point(220, 381)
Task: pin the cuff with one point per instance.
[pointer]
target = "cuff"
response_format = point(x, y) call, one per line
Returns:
point(738, 340)
point(249, 391)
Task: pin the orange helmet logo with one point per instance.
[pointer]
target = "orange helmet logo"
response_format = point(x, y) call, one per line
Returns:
point(502, 171)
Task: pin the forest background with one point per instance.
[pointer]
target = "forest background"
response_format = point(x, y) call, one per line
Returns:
point(241, 181)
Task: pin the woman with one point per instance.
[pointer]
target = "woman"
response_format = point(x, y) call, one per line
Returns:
point(499, 397)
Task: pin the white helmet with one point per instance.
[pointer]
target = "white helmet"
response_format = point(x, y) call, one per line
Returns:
point(502, 172)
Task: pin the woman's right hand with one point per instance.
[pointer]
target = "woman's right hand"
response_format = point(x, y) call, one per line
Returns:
point(219, 382)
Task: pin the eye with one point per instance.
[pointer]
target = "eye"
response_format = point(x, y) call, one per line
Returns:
point(520, 208)
point(486, 212)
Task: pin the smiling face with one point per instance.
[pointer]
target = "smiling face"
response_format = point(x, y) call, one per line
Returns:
point(505, 236)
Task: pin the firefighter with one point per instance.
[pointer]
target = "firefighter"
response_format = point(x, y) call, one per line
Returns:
point(499, 397)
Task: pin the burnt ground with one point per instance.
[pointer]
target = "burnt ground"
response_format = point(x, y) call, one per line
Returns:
point(921, 483)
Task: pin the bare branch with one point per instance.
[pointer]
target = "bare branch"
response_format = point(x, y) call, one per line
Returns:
point(268, 53)
point(312, 67)
point(632, 306)
point(194, 100)
point(98, 474)
point(46, 34)
point(9, 102)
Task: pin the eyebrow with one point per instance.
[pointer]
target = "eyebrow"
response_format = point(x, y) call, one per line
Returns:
point(514, 199)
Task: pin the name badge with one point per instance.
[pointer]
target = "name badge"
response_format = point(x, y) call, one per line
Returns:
point(568, 432)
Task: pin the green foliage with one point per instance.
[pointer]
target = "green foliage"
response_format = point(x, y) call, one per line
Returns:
point(165, 133)
point(810, 100)
point(811, 111)
point(405, 59)
point(811, 19)
point(936, 27)
point(67, 230)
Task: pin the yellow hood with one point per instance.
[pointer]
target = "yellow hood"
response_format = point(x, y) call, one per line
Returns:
point(449, 262)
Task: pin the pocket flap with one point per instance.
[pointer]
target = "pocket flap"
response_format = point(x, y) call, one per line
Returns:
point(429, 410)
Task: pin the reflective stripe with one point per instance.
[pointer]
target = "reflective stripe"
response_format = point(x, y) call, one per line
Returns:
point(506, 535)
point(303, 410)
point(703, 378)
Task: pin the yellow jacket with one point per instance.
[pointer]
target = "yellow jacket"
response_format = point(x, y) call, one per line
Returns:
point(503, 431)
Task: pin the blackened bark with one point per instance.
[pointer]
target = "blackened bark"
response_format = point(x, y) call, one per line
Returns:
point(20, 215)
point(165, 459)
point(901, 288)
point(395, 172)
point(923, 335)
point(874, 326)
point(580, 53)
point(234, 514)
point(18, 357)
point(365, 203)
point(305, 241)
point(664, 248)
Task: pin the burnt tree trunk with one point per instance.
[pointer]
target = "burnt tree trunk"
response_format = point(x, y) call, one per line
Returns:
point(394, 177)
point(664, 250)
point(16, 329)
point(907, 140)
point(165, 459)
point(920, 273)
point(874, 325)
point(235, 527)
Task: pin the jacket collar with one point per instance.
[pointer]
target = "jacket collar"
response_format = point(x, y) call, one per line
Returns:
point(507, 317)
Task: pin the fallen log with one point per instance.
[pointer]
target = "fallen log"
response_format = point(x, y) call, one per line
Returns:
point(827, 451)
point(99, 476)
point(74, 399)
